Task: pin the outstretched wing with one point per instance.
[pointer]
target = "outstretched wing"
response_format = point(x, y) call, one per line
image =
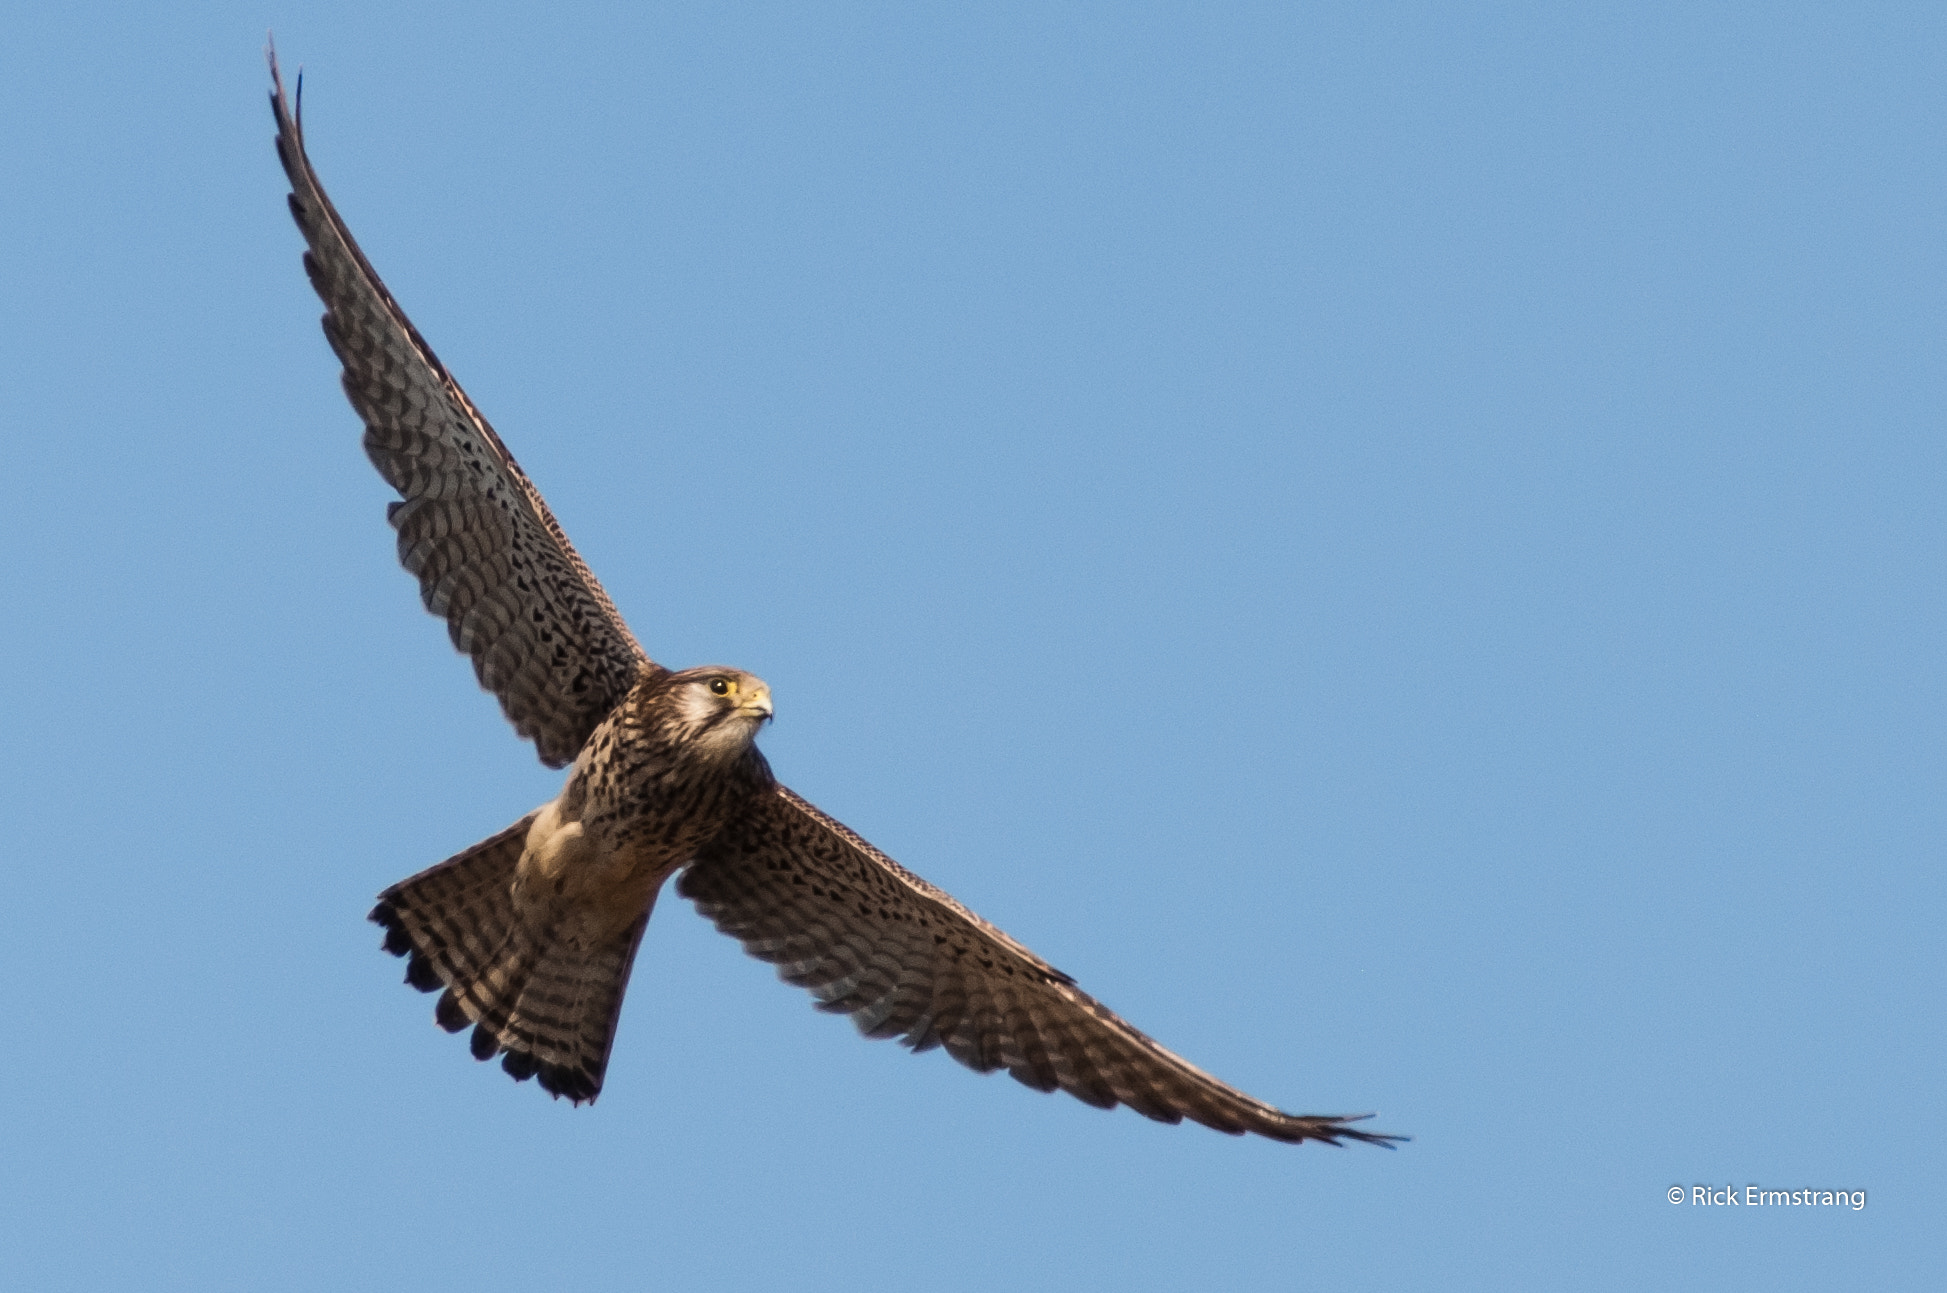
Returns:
point(903, 959)
point(490, 558)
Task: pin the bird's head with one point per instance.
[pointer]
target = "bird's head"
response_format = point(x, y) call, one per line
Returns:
point(718, 709)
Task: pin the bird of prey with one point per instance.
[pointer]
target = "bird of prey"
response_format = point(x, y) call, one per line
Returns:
point(528, 936)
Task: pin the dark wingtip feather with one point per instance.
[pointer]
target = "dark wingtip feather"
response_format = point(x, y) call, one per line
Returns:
point(1330, 1129)
point(520, 1066)
point(483, 1043)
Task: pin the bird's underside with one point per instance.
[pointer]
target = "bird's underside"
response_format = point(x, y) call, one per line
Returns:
point(529, 935)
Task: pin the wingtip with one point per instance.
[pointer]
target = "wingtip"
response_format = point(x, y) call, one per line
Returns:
point(1341, 1126)
point(279, 104)
point(276, 73)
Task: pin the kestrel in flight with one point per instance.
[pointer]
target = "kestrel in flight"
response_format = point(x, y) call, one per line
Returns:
point(528, 936)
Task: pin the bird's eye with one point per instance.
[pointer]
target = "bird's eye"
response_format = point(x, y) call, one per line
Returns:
point(721, 686)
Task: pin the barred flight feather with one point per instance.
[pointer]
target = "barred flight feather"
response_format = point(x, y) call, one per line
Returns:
point(870, 939)
point(431, 445)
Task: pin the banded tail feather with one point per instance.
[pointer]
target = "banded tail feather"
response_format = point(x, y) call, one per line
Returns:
point(545, 996)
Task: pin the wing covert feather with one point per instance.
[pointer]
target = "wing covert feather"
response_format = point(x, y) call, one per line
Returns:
point(490, 558)
point(904, 959)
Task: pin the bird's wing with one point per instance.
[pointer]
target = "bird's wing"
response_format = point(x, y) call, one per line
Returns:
point(490, 558)
point(903, 959)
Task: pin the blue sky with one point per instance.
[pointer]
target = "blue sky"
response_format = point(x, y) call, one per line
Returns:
point(1399, 544)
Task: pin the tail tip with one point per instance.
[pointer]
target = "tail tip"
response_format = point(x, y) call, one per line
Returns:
point(396, 940)
point(421, 974)
point(449, 1013)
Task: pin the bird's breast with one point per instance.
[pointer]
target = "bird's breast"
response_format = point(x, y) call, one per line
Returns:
point(633, 811)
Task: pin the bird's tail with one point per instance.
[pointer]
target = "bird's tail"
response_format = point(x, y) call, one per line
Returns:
point(546, 994)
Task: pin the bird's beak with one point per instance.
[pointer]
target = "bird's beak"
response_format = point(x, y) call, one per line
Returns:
point(758, 703)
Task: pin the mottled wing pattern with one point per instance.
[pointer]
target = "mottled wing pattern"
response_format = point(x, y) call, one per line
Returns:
point(903, 959)
point(490, 558)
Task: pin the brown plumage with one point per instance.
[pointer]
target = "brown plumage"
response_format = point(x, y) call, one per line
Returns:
point(528, 936)
point(531, 933)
